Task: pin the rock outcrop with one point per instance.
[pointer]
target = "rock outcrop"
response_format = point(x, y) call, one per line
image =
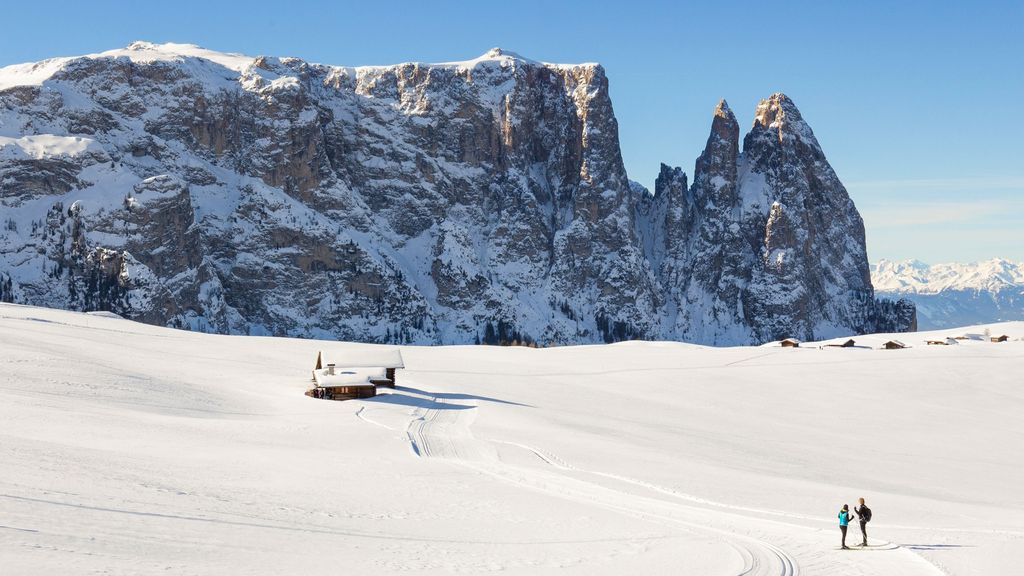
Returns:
point(477, 201)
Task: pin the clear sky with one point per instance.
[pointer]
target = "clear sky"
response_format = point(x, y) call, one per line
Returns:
point(917, 103)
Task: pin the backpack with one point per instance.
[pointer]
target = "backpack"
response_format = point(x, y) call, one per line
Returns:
point(865, 513)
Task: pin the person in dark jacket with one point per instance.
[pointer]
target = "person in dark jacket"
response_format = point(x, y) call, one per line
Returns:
point(844, 523)
point(864, 515)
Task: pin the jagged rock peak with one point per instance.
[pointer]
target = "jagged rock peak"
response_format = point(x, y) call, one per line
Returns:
point(717, 162)
point(723, 110)
point(724, 124)
point(670, 180)
point(778, 113)
point(770, 108)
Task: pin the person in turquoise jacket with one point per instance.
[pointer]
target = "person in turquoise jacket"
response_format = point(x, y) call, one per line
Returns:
point(844, 523)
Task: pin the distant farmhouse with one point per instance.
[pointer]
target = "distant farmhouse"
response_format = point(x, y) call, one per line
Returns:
point(790, 343)
point(354, 374)
point(848, 344)
point(894, 345)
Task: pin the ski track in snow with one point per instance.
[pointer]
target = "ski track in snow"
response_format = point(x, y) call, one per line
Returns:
point(443, 431)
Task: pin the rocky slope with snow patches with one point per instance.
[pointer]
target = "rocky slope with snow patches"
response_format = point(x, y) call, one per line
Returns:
point(951, 295)
point(470, 201)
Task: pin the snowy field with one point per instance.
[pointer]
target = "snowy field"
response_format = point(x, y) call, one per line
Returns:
point(131, 449)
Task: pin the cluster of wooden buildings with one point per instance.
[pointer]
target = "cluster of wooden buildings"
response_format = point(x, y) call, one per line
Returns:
point(897, 345)
point(354, 374)
point(956, 339)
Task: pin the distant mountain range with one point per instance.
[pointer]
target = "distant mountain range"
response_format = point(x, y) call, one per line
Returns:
point(949, 295)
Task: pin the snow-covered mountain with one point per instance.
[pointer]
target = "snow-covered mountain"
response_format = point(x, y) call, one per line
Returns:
point(949, 295)
point(470, 201)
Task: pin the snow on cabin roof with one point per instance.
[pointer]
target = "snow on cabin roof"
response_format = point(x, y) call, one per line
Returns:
point(797, 340)
point(347, 377)
point(385, 358)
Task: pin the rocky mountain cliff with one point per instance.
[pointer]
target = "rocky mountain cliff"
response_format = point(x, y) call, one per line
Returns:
point(476, 201)
point(953, 295)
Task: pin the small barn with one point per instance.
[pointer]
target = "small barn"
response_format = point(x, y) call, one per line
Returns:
point(354, 374)
point(945, 342)
point(790, 343)
point(380, 364)
point(335, 390)
point(895, 345)
point(848, 344)
point(1002, 338)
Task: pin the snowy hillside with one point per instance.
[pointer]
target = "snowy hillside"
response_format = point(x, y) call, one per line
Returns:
point(483, 200)
point(953, 294)
point(127, 448)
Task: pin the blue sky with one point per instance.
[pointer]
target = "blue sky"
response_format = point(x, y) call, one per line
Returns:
point(917, 104)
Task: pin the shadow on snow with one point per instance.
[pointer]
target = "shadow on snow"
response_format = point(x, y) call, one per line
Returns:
point(435, 400)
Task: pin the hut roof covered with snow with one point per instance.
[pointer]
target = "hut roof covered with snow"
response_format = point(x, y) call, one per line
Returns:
point(355, 373)
point(382, 358)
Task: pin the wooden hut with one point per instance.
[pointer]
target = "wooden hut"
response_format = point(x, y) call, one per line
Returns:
point(1002, 338)
point(355, 373)
point(894, 345)
point(945, 342)
point(848, 344)
point(343, 392)
point(790, 343)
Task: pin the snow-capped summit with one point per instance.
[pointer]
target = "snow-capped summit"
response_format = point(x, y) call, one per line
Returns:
point(145, 52)
point(482, 200)
point(502, 55)
point(138, 52)
point(779, 116)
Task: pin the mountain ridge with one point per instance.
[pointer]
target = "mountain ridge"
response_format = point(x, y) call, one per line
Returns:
point(914, 276)
point(475, 201)
point(953, 294)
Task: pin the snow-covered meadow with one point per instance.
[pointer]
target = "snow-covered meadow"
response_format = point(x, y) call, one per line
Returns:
point(132, 449)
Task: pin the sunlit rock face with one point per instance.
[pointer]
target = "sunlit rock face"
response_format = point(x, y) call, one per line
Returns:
point(770, 244)
point(477, 201)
